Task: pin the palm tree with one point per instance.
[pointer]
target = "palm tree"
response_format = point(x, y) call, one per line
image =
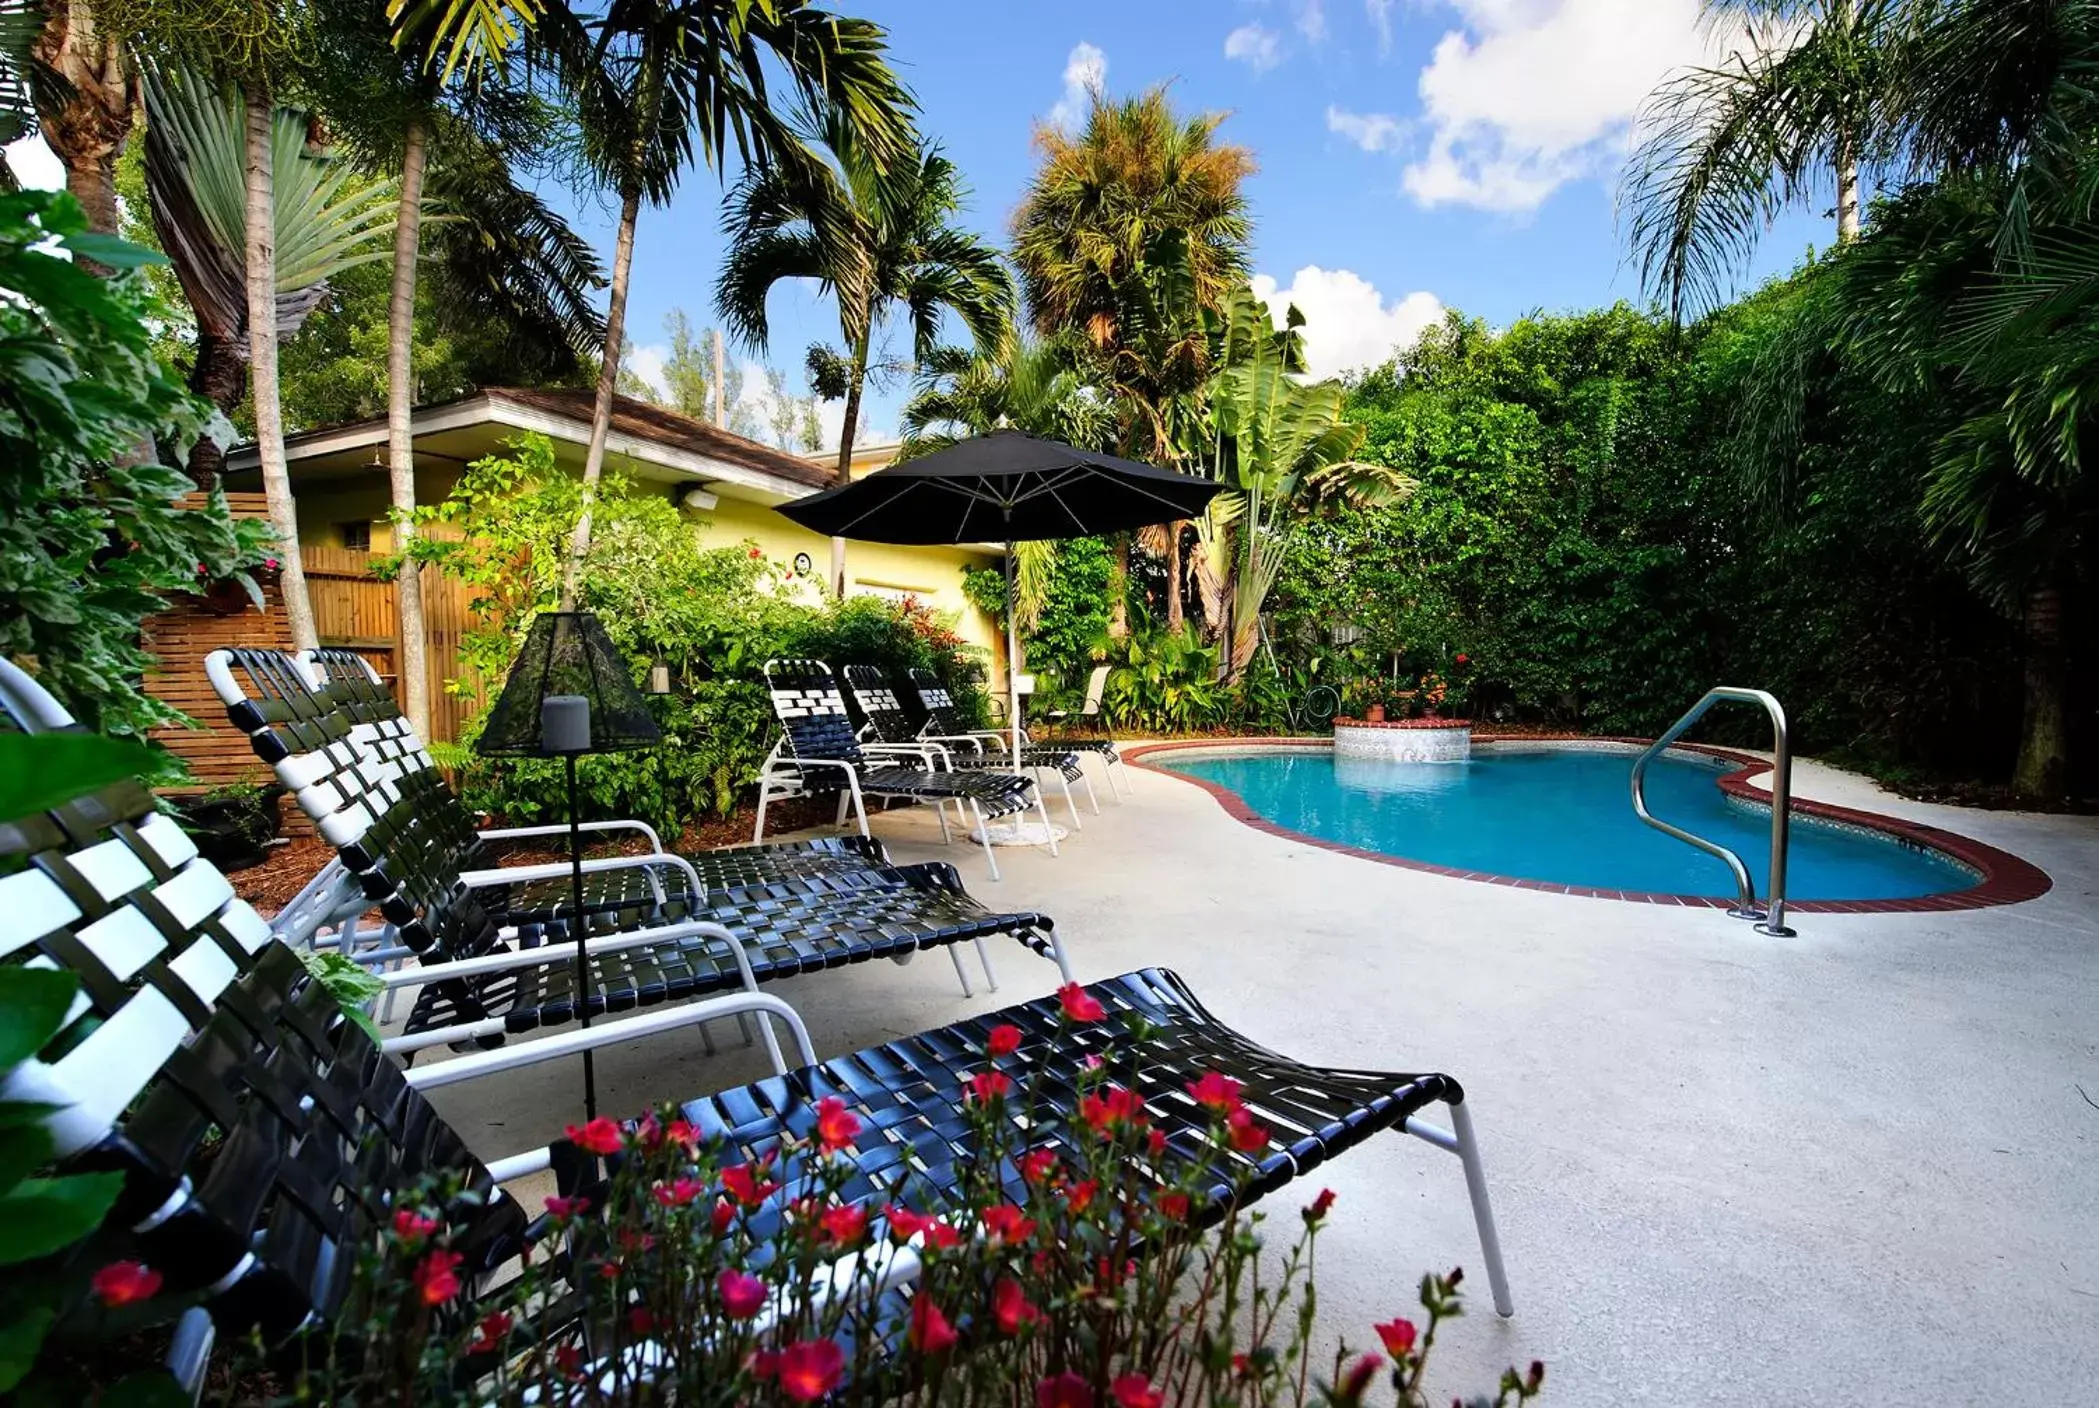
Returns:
point(880, 242)
point(1127, 233)
point(659, 82)
point(1802, 107)
point(85, 90)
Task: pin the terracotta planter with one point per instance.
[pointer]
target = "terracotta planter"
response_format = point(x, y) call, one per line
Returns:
point(225, 597)
point(1375, 714)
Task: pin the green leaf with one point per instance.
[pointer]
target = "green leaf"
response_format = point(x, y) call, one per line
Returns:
point(152, 1388)
point(22, 1152)
point(111, 251)
point(42, 770)
point(20, 1337)
point(46, 1214)
point(33, 1003)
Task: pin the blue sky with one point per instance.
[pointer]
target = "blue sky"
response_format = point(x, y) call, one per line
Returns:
point(1414, 154)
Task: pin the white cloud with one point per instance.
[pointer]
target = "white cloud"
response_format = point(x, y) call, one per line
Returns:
point(1261, 49)
point(1372, 131)
point(1085, 73)
point(1526, 95)
point(35, 166)
point(646, 361)
point(830, 418)
point(1380, 12)
point(1311, 21)
point(1348, 325)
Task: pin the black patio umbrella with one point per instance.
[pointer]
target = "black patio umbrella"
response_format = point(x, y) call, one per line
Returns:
point(1003, 487)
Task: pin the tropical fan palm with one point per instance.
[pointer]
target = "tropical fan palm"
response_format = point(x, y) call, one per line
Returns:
point(879, 241)
point(1799, 110)
point(1026, 385)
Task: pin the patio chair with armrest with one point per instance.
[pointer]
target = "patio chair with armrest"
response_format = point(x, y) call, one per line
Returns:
point(195, 1027)
point(942, 719)
point(771, 912)
point(891, 726)
point(819, 752)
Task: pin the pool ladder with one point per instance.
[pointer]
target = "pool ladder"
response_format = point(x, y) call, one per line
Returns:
point(1769, 919)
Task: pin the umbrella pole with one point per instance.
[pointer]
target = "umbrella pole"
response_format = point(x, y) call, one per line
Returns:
point(1012, 662)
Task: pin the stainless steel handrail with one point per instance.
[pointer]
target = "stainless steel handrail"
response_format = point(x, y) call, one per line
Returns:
point(1773, 919)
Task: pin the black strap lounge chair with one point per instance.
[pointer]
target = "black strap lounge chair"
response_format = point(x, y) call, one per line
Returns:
point(195, 1030)
point(891, 726)
point(410, 846)
point(819, 752)
point(944, 721)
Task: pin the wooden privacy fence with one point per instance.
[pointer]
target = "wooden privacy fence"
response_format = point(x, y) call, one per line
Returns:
point(351, 608)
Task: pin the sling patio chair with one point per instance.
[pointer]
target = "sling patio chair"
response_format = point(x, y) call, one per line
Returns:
point(819, 752)
point(891, 726)
point(408, 842)
point(263, 1138)
point(943, 720)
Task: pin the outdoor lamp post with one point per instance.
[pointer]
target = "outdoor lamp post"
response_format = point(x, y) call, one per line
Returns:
point(570, 693)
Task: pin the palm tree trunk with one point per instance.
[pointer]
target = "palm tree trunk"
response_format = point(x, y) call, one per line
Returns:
point(1175, 612)
point(260, 223)
point(2043, 769)
point(845, 448)
point(1847, 188)
point(87, 129)
point(1119, 590)
point(219, 374)
point(409, 641)
point(608, 383)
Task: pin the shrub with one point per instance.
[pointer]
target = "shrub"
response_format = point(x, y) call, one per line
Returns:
point(91, 542)
point(1103, 1284)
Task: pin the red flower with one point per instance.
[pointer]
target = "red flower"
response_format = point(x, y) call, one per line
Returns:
point(122, 1282)
point(1216, 1093)
point(905, 1224)
point(1008, 1223)
point(677, 1195)
point(1174, 1206)
point(1358, 1380)
point(809, 1369)
point(1320, 1207)
point(1245, 1134)
point(1065, 1390)
point(489, 1333)
point(1004, 1040)
point(1078, 1195)
point(1037, 1165)
point(1156, 1142)
point(566, 1208)
point(836, 1126)
point(1111, 1109)
point(1011, 1308)
point(845, 1225)
point(411, 1226)
point(748, 1185)
point(1080, 1006)
point(987, 1086)
point(765, 1363)
point(569, 1359)
point(682, 1133)
point(1136, 1391)
point(1398, 1335)
point(640, 1320)
point(648, 1133)
point(930, 1332)
point(757, 552)
point(437, 1276)
point(600, 1136)
point(742, 1296)
point(722, 1215)
point(1463, 658)
point(940, 1236)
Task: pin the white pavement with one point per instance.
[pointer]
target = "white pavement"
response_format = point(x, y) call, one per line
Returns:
point(1849, 1167)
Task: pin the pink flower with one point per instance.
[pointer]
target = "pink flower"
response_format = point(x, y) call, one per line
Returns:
point(742, 1296)
point(930, 1332)
point(1004, 1040)
point(1065, 1390)
point(411, 1226)
point(600, 1136)
point(1011, 1308)
point(1080, 1006)
point(809, 1369)
point(987, 1086)
point(1358, 1381)
point(836, 1126)
point(1136, 1391)
point(436, 1276)
point(1244, 1133)
point(748, 1185)
point(677, 1195)
point(1216, 1093)
point(683, 1134)
point(1398, 1335)
point(844, 1225)
point(565, 1208)
point(722, 1216)
point(122, 1282)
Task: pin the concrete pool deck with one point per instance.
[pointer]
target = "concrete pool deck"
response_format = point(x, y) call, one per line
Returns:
point(1848, 1167)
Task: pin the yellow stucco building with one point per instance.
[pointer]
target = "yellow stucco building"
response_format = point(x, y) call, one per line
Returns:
point(726, 485)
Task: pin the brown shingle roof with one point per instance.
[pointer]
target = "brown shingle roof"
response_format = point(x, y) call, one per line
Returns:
point(668, 427)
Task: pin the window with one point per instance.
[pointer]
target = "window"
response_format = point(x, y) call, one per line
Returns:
point(357, 537)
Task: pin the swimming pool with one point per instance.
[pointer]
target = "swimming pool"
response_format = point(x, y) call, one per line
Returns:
point(1562, 816)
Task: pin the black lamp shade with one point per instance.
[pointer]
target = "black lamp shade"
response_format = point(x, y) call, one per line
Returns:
point(568, 653)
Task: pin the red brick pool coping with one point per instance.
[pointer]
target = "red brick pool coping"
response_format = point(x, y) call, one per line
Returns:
point(2006, 879)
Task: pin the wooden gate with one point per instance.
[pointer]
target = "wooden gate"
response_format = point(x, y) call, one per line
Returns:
point(352, 608)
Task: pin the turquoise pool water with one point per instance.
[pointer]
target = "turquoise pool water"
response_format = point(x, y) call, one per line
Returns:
point(1565, 816)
